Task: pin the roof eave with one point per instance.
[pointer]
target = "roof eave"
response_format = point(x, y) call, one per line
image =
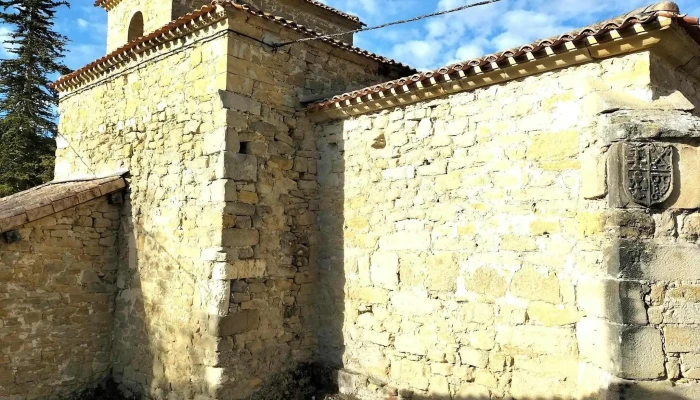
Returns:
point(431, 85)
point(197, 20)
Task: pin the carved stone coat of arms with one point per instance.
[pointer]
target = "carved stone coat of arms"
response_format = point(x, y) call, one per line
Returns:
point(648, 172)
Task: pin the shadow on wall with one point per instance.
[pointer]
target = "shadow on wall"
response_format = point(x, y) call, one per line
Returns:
point(157, 353)
point(330, 301)
point(622, 392)
point(668, 82)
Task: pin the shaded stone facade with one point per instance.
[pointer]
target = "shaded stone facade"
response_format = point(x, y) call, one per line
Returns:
point(462, 234)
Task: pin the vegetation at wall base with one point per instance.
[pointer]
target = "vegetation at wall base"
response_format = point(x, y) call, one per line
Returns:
point(27, 103)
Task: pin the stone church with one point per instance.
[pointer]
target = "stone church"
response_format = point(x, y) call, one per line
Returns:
point(234, 219)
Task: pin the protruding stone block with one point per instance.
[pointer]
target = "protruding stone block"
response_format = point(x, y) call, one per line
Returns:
point(655, 261)
point(234, 101)
point(240, 322)
point(594, 175)
point(616, 301)
point(236, 166)
point(222, 139)
point(641, 352)
point(627, 351)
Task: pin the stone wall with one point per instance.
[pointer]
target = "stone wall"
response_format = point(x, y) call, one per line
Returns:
point(57, 292)
point(465, 241)
point(650, 279)
point(270, 219)
point(155, 117)
point(222, 188)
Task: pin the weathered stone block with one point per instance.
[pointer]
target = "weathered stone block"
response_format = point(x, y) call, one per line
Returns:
point(537, 340)
point(624, 350)
point(370, 295)
point(530, 284)
point(486, 281)
point(239, 269)
point(413, 303)
point(236, 166)
point(442, 272)
point(411, 343)
point(526, 385)
point(240, 237)
point(470, 356)
point(641, 352)
point(553, 146)
point(240, 322)
point(594, 175)
point(411, 374)
point(550, 315)
point(656, 261)
point(616, 301)
point(682, 339)
point(405, 241)
point(223, 190)
point(647, 124)
point(384, 270)
point(222, 139)
point(234, 101)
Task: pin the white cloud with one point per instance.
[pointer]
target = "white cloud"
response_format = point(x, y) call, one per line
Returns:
point(468, 52)
point(424, 53)
point(97, 28)
point(80, 54)
point(483, 30)
point(4, 36)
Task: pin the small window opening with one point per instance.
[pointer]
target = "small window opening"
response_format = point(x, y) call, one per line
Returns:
point(136, 26)
point(243, 149)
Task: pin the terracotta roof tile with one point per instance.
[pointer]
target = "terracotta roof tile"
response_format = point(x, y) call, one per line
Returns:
point(353, 18)
point(335, 10)
point(51, 198)
point(645, 15)
point(191, 22)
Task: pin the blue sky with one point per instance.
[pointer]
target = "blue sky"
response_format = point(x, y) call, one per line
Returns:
point(425, 44)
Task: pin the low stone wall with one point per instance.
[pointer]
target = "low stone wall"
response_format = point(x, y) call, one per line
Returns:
point(57, 291)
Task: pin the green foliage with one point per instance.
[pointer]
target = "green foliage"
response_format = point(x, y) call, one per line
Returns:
point(27, 103)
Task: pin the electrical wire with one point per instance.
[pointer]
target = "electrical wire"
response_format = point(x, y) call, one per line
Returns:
point(373, 28)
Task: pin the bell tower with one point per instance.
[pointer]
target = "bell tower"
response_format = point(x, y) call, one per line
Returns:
point(130, 19)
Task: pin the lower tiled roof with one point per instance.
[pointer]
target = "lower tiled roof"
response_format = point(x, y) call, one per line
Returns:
point(51, 198)
point(643, 16)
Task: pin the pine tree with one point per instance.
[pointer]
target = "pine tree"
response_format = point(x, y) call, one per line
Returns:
point(27, 103)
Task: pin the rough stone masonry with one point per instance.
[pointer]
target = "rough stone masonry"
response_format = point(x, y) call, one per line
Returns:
point(520, 226)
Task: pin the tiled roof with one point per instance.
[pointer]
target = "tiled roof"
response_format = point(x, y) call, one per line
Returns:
point(335, 10)
point(193, 21)
point(353, 18)
point(643, 16)
point(51, 198)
